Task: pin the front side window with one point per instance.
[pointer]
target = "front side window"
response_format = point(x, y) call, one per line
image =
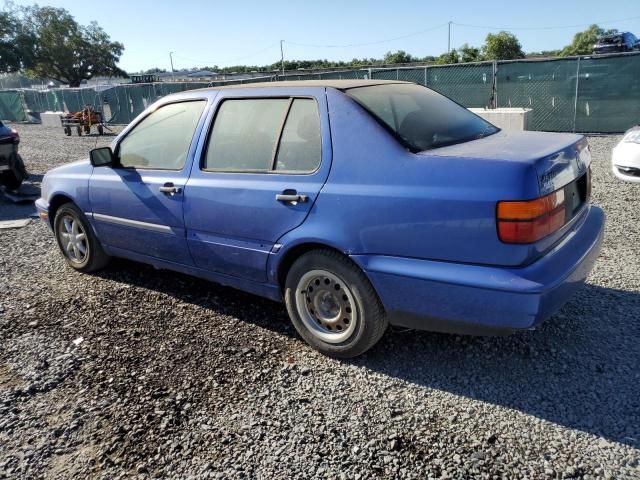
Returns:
point(161, 141)
point(419, 117)
point(265, 134)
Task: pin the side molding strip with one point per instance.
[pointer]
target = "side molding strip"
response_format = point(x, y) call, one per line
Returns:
point(132, 223)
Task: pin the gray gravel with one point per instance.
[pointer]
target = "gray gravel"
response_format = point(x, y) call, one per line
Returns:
point(174, 377)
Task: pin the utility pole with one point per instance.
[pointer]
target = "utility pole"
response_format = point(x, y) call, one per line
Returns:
point(282, 56)
point(449, 42)
point(173, 76)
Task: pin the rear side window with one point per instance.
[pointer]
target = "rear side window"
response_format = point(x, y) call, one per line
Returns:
point(300, 143)
point(419, 117)
point(245, 134)
point(161, 141)
point(265, 135)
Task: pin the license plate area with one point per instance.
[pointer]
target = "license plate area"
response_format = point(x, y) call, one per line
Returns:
point(576, 195)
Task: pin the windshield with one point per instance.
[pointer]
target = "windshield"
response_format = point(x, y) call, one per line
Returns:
point(419, 117)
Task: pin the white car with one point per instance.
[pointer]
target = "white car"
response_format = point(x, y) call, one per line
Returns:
point(625, 159)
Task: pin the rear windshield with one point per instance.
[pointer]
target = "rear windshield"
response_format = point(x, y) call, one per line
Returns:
point(420, 118)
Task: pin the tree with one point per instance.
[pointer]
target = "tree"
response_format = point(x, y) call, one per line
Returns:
point(469, 54)
point(153, 70)
point(502, 46)
point(447, 58)
point(544, 53)
point(583, 42)
point(397, 57)
point(68, 52)
point(15, 43)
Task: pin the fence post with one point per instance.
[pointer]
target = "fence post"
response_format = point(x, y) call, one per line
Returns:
point(23, 103)
point(494, 86)
point(425, 75)
point(575, 100)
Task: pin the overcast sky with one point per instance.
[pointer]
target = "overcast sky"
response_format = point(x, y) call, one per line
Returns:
point(248, 32)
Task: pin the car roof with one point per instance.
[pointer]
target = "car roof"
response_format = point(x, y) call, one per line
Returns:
point(338, 84)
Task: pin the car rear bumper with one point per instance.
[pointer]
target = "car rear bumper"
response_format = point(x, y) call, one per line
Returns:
point(476, 299)
point(608, 49)
point(6, 151)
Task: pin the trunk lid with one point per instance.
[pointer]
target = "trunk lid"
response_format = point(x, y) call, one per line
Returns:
point(556, 158)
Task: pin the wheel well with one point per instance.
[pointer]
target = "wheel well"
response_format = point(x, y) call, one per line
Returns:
point(296, 252)
point(56, 202)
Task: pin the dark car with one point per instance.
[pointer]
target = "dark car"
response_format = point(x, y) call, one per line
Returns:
point(616, 42)
point(12, 171)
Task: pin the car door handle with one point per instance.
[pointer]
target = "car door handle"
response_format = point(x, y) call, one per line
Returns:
point(170, 189)
point(291, 196)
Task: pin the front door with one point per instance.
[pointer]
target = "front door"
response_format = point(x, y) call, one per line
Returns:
point(137, 206)
point(262, 166)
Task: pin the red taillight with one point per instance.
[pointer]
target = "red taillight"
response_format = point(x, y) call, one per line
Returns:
point(529, 221)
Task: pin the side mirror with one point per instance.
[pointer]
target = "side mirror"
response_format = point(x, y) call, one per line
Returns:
point(101, 157)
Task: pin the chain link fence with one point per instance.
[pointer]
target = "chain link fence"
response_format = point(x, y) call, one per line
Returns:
point(578, 94)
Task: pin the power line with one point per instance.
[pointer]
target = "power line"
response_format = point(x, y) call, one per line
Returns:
point(554, 27)
point(368, 43)
point(216, 62)
point(401, 37)
point(486, 27)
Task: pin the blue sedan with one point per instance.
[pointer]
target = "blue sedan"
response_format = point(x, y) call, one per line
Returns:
point(357, 203)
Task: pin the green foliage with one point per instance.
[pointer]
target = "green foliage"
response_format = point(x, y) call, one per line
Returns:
point(502, 46)
point(544, 54)
point(390, 58)
point(55, 46)
point(400, 56)
point(15, 43)
point(447, 58)
point(470, 54)
point(583, 42)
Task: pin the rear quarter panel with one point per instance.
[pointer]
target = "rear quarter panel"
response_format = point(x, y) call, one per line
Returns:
point(381, 199)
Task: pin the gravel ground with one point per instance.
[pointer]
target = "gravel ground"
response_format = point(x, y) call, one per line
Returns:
point(141, 373)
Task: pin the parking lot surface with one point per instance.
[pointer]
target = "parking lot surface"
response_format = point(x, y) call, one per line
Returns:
point(134, 372)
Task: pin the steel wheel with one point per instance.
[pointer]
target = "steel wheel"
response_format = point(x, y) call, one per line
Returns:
point(73, 239)
point(326, 306)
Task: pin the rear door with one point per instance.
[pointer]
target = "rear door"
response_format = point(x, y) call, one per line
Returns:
point(262, 165)
point(137, 206)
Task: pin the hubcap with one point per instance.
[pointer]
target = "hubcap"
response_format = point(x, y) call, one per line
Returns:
point(73, 239)
point(326, 306)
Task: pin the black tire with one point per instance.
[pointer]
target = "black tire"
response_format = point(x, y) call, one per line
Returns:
point(17, 173)
point(100, 130)
point(79, 130)
point(87, 129)
point(67, 131)
point(343, 276)
point(95, 258)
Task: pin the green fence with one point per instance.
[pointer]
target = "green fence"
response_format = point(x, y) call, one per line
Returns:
point(11, 106)
point(577, 94)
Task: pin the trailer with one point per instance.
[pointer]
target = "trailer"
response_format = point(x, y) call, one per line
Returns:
point(82, 121)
